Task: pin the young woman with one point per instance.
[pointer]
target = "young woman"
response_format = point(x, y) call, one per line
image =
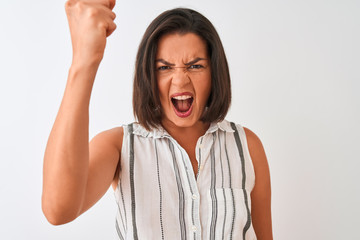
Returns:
point(181, 171)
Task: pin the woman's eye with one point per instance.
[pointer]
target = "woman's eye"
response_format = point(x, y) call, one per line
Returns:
point(197, 66)
point(163, 68)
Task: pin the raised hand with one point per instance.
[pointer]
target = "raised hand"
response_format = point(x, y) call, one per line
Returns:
point(90, 22)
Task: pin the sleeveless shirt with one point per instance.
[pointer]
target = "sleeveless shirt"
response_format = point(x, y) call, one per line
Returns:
point(159, 196)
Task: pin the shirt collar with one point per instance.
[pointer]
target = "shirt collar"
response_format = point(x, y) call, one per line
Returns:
point(160, 132)
point(223, 125)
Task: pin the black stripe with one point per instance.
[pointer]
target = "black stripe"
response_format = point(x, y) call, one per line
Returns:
point(239, 146)
point(192, 213)
point(232, 192)
point(221, 163)
point(181, 192)
point(248, 221)
point(132, 187)
point(212, 192)
point(118, 230)
point(158, 174)
point(222, 185)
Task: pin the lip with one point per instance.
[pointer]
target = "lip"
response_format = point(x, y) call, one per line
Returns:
point(182, 114)
point(183, 93)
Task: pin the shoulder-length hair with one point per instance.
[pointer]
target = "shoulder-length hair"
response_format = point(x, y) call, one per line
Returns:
point(146, 101)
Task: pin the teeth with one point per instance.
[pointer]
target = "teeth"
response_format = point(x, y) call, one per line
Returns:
point(182, 97)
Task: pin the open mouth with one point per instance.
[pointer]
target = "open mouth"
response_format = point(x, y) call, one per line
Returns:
point(182, 105)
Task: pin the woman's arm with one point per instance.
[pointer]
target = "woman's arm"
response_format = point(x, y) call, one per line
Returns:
point(261, 194)
point(75, 173)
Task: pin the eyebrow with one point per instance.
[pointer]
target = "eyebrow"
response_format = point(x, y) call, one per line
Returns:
point(164, 62)
point(187, 64)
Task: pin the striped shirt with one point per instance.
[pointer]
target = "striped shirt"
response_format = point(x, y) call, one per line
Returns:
point(159, 196)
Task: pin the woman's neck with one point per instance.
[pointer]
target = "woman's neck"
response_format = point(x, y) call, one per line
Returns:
point(186, 134)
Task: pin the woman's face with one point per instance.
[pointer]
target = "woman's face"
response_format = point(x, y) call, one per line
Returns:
point(184, 78)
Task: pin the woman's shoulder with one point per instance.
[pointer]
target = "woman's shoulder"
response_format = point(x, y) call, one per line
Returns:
point(116, 134)
point(109, 139)
point(256, 148)
point(113, 135)
point(251, 137)
point(254, 145)
point(259, 160)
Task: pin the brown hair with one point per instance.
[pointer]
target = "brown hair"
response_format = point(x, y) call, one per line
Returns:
point(146, 102)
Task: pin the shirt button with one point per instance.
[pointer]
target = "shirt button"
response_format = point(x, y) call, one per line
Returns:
point(194, 196)
point(194, 228)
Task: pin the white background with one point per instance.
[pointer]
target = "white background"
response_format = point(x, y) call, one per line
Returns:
point(295, 78)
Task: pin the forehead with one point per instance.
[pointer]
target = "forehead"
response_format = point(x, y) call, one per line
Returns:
point(182, 47)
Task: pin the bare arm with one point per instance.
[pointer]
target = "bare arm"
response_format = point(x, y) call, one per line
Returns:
point(69, 173)
point(261, 194)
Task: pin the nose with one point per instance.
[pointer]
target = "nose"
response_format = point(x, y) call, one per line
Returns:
point(180, 77)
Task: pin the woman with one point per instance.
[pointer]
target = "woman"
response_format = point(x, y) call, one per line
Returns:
point(181, 171)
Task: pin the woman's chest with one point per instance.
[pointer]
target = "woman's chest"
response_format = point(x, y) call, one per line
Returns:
point(158, 181)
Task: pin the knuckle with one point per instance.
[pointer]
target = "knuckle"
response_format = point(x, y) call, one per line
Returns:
point(112, 27)
point(79, 5)
point(102, 24)
point(92, 12)
point(69, 4)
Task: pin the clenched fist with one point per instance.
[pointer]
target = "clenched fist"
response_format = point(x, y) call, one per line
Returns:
point(90, 22)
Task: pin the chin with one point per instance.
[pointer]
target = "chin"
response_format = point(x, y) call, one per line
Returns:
point(184, 124)
point(175, 121)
